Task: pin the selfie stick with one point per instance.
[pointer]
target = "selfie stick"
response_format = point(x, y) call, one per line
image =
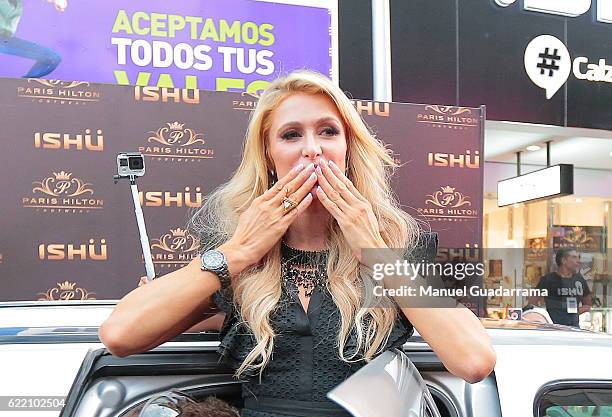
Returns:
point(142, 230)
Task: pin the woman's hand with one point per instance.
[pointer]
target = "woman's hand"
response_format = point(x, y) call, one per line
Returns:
point(351, 210)
point(265, 221)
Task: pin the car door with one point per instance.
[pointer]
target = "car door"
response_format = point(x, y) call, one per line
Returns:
point(388, 386)
point(108, 386)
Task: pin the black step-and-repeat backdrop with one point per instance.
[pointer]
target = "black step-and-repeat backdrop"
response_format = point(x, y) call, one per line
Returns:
point(69, 232)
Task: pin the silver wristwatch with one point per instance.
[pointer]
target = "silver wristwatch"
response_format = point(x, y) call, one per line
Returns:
point(215, 262)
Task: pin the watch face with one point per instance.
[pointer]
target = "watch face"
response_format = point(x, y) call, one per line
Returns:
point(213, 259)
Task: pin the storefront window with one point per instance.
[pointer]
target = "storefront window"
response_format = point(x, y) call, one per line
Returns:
point(526, 238)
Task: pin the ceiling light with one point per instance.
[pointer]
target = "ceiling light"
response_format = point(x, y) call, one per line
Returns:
point(533, 148)
point(610, 154)
point(579, 200)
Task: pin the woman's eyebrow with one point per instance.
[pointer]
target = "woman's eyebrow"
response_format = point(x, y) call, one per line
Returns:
point(327, 119)
point(288, 124)
point(317, 122)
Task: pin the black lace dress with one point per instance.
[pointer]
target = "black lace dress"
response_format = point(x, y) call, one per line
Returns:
point(305, 364)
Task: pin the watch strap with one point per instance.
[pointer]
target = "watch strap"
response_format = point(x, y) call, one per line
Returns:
point(222, 271)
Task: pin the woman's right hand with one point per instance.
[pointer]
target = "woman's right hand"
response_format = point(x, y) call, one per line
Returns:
point(264, 222)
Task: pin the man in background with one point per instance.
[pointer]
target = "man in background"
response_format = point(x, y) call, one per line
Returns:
point(568, 292)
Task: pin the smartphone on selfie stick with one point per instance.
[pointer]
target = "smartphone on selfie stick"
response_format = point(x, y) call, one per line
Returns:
point(129, 166)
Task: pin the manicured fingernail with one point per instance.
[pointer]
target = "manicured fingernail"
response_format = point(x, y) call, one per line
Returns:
point(313, 176)
point(319, 189)
point(331, 163)
point(310, 166)
point(299, 167)
point(319, 172)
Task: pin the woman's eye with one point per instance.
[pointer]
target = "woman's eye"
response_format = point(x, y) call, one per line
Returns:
point(330, 131)
point(290, 134)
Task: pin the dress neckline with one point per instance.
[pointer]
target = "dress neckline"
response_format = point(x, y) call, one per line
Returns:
point(303, 257)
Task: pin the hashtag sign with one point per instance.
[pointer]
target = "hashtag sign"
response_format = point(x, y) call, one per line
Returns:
point(549, 62)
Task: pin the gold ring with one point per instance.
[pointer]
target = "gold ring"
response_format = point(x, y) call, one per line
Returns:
point(287, 192)
point(288, 204)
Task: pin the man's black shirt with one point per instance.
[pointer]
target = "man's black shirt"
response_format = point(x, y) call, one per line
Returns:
point(559, 290)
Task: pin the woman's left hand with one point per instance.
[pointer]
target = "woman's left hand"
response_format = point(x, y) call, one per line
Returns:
point(351, 210)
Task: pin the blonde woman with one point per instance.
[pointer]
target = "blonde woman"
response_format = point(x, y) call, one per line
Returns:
point(281, 251)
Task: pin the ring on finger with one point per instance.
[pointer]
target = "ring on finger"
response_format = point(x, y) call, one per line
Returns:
point(288, 205)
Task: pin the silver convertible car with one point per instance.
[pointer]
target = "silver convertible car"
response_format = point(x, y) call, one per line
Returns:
point(52, 363)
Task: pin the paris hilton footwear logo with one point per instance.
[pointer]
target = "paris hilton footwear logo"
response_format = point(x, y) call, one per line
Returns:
point(175, 248)
point(175, 142)
point(448, 117)
point(61, 192)
point(448, 204)
point(248, 102)
point(66, 291)
point(59, 92)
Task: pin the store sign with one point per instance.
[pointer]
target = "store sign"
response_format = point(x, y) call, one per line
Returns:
point(548, 64)
point(531, 61)
point(569, 8)
point(554, 181)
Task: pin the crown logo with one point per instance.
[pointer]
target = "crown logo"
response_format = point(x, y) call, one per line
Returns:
point(66, 286)
point(62, 176)
point(176, 126)
point(178, 232)
point(448, 189)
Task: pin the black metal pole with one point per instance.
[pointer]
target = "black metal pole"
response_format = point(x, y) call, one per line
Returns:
point(518, 163)
point(548, 153)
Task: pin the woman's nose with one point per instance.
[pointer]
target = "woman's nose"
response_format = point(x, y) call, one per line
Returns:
point(311, 148)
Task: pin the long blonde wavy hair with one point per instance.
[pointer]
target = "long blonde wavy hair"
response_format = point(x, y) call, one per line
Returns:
point(258, 289)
